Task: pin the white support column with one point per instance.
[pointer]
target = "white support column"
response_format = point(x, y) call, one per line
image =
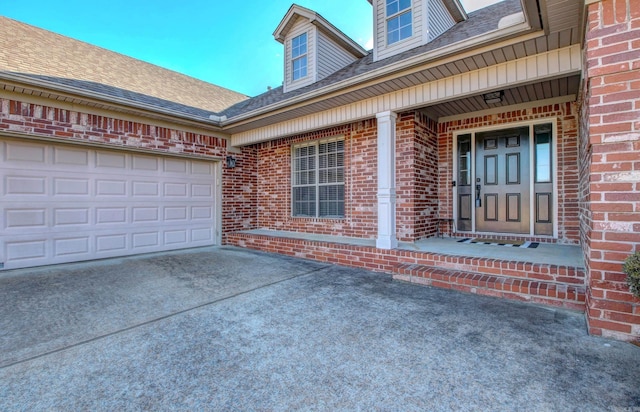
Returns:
point(386, 181)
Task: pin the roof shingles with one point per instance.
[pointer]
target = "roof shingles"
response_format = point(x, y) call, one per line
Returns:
point(482, 21)
point(32, 51)
point(42, 55)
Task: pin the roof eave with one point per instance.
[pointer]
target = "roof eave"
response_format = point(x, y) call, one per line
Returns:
point(456, 10)
point(323, 24)
point(115, 103)
point(285, 24)
point(385, 71)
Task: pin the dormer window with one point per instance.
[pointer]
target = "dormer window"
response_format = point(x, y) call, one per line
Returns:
point(313, 48)
point(299, 57)
point(399, 20)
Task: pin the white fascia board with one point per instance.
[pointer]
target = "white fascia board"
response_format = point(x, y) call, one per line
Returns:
point(117, 103)
point(332, 31)
point(544, 66)
point(465, 48)
point(280, 33)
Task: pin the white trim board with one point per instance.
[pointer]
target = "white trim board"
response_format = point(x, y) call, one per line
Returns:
point(544, 66)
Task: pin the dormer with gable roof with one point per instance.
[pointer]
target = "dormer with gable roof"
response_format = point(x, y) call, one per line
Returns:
point(400, 25)
point(313, 48)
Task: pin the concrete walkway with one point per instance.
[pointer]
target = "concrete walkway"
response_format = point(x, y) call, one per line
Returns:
point(227, 328)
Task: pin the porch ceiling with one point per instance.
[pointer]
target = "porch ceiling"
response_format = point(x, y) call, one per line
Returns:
point(550, 89)
point(519, 50)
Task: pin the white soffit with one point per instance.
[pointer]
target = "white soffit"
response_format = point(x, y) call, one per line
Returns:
point(552, 64)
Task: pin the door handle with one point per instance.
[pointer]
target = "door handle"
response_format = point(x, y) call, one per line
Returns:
point(478, 199)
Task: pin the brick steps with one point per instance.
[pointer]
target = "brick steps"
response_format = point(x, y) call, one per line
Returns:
point(570, 296)
point(543, 283)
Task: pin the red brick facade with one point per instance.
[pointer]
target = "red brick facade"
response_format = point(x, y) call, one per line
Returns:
point(239, 193)
point(424, 154)
point(74, 126)
point(274, 184)
point(43, 122)
point(610, 155)
point(416, 174)
point(598, 168)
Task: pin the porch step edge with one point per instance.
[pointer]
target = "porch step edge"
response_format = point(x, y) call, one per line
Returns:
point(568, 296)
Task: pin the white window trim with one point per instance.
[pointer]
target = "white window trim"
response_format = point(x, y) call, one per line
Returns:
point(317, 185)
point(305, 55)
point(398, 14)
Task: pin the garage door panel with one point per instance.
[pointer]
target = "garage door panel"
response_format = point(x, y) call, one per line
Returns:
point(176, 213)
point(70, 186)
point(144, 163)
point(202, 191)
point(112, 242)
point(175, 237)
point(20, 186)
point(112, 161)
point(176, 190)
point(64, 216)
point(145, 214)
point(202, 169)
point(73, 246)
point(201, 212)
point(62, 203)
point(71, 157)
point(26, 249)
point(111, 187)
point(176, 166)
point(204, 234)
point(24, 153)
point(25, 218)
point(145, 240)
point(111, 215)
point(147, 188)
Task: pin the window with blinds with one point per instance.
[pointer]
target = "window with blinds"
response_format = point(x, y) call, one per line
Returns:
point(318, 179)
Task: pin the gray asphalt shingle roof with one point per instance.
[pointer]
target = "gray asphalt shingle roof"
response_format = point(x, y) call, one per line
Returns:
point(480, 22)
point(35, 52)
point(45, 56)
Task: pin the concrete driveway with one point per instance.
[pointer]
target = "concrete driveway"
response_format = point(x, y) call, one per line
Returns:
point(232, 329)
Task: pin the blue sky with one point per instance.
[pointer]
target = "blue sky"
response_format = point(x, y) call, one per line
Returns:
point(212, 40)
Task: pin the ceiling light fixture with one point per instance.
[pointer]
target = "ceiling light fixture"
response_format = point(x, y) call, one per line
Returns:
point(493, 97)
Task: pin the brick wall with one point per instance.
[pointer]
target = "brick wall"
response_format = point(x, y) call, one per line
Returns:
point(240, 195)
point(416, 176)
point(274, 184)
point(610, 150)
point(238, 184)
point(567, 142)
point(75, 126)
point(416, 172)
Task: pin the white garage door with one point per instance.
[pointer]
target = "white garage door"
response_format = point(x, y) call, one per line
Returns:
point(63, 203)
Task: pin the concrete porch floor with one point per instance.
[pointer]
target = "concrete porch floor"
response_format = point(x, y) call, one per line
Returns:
point(561, 255)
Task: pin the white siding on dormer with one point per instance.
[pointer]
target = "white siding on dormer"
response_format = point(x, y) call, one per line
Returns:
point(381, 49)
point(299, 27)
point(331, 57)
point(439, 19)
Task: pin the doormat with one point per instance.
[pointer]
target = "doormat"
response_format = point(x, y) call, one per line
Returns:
point(500, 242)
